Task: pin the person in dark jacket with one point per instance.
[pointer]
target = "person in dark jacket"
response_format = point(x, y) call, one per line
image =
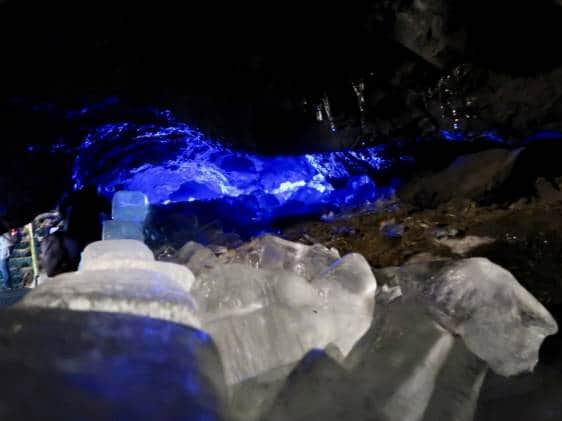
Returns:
point(60, 253)
point(83, 212)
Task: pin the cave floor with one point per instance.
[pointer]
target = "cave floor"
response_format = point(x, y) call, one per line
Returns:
point(527, 238)
point(527, 241)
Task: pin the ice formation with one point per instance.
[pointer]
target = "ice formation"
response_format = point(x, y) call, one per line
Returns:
point(297, 333)
point(61, 364)
point(121, 276)
point(174, 163)
point(129, 206)
point(128, 212)
point(498, 319)
point(406, 367)
point(274, 300)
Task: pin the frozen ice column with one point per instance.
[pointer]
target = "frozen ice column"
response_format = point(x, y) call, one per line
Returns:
point(129, 210)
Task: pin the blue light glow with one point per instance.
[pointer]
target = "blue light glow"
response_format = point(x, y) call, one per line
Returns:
point(545, 135)
point(455, 135)
point(460, 135)
point(174, 163)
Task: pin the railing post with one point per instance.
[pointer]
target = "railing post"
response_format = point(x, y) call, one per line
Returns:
point(34, 261)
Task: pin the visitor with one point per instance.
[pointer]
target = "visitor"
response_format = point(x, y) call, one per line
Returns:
point(6, 243)
point(83, 212)
point(60, 253)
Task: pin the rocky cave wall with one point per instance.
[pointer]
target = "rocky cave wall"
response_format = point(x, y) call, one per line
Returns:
point(371, 72)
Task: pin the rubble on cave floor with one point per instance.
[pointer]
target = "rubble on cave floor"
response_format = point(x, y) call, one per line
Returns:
point(524, 237)
point(531, 228)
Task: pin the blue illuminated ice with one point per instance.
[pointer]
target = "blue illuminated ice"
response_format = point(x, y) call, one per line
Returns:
point(174, 163)
point(129, 211)
point(129, 206)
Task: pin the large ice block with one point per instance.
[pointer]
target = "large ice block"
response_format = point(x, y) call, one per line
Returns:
point(265, 314)
point(317, 389)
point(130, 254)
point(270, 252)
point(498, 319)
point(123, 230)
point(129, 206)
point(413, 369)
point(129, 211)
point(113, 251)
point(130, 291)
point(405, 368)
point(121, 276)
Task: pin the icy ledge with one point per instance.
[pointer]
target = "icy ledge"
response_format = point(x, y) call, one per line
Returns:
point(265, 308)
point(269, 302)
point(297, 331)
point(121, 276)
point(498, 319)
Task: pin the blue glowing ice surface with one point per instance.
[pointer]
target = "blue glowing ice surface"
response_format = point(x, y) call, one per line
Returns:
point(174, 163)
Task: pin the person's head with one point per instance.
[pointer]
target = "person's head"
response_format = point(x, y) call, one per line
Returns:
point(15, 234)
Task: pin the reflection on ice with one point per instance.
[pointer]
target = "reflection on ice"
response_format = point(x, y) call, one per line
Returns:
point(174, 163)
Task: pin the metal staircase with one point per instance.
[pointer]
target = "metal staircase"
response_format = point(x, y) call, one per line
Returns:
point(23, 263)
point(20, 263)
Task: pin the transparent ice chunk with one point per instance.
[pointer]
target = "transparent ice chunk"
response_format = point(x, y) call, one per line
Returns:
point(498, 319)
point(196, 257)
point(264, 316)
point(112, 251)
point(121, 276)
point(270, 252)
point(129, 206)
point(123, 230)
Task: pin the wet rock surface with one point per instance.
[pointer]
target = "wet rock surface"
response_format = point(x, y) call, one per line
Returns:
point(61, 364)
point(470, 177)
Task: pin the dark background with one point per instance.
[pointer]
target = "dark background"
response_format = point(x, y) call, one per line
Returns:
point(147, 48)
point(242, 71)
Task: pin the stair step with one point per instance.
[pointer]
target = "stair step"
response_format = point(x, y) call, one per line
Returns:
point(19, 258)
point(16, 263)
point(19, 277)
point(23, 252)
